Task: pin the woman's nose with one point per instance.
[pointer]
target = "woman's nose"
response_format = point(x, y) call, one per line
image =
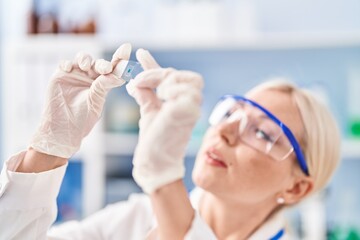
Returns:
point(229, 132)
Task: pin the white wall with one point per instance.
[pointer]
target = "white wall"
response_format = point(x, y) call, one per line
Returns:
point(14, 15)
point(309, 15)
point(1, 51)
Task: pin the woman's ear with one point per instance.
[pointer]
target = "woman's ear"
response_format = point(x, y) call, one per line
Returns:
point(301, 187)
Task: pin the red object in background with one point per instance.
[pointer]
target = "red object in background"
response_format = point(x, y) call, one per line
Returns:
point(47, 22)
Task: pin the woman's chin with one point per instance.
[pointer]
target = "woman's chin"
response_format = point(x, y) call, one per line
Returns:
point(203, 180)
point(204, 175)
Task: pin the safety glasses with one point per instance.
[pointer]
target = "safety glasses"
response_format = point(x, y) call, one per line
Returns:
point(258, 128)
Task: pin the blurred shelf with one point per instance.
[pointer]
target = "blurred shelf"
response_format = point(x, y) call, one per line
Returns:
point(351, 149)
point(34, 45)
point(256, 41)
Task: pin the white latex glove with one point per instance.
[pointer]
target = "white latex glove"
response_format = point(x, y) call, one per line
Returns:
point(167, 119)
point(74, 102)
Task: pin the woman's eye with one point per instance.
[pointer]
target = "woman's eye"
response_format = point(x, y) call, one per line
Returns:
point(228, 114)
point(233, 115)
point(261, 134)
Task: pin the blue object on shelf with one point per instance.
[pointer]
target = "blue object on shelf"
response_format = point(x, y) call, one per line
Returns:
point(69, 201)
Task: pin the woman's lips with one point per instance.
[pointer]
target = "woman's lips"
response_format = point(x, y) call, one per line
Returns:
point(214, 158)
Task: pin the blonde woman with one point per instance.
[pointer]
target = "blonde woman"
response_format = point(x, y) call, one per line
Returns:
point(262, 152)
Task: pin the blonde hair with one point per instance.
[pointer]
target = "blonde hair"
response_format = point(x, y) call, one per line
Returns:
point(321, 138)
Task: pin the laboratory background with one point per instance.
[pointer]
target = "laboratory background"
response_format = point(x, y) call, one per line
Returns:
point(234, 44)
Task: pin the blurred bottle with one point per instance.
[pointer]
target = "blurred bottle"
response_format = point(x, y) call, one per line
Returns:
point(54, 16)
point(353, 101)
point(47, 24)
point(344, 233)
point(43, 17)
point(32, 21)
point(88, 27)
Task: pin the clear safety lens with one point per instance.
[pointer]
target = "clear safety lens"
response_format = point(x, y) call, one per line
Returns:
point(256, 129)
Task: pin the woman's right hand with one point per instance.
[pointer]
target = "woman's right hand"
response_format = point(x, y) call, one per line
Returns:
point(74, 102)
point(170, 104)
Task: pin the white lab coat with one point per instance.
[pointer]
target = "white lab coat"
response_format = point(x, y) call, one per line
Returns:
point(28, 209)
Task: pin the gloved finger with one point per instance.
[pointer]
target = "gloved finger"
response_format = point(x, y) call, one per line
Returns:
point(192, 79)
point(182, 101)
point(122, 53)
point(84, 61)
point(151, 78)
point(102, 66)
point(182, 90)
point(155, 78)
point(99, 89)
point(66, 65)
point(146, 60)
point(183, 112)
point(145, 97)
point(104, 83)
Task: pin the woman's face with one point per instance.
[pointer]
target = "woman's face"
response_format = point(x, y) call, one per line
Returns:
point(231, 169)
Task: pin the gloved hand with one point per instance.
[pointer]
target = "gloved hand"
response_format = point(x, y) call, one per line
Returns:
point(168, 116)
point(74, 102)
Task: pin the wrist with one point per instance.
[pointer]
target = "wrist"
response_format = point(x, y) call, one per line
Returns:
point(35, 162)
point(173, 210)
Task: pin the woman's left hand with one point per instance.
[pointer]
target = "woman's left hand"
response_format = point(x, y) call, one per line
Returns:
point(74, 102)
point(170, 102)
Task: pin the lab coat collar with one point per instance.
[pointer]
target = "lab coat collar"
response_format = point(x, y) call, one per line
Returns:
point(270, 228)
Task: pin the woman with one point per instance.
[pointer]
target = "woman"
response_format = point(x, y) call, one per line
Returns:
point(262, 153)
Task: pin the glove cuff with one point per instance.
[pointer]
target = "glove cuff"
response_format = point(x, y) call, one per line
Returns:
point(150, 181)
point(50, 148)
